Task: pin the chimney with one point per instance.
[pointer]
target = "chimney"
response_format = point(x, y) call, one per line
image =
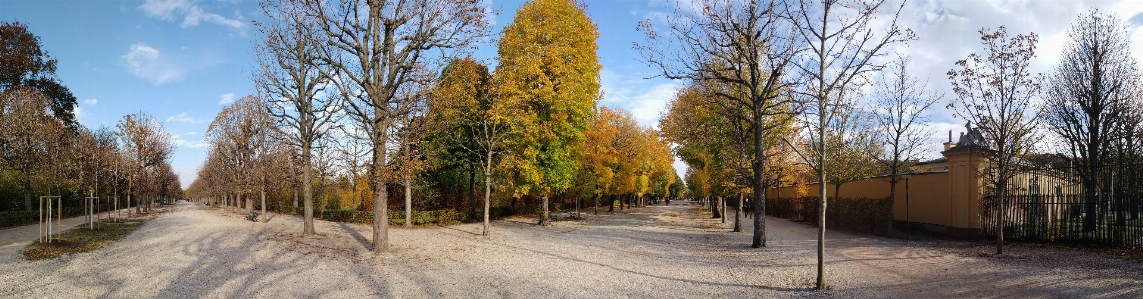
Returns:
point(949, 145)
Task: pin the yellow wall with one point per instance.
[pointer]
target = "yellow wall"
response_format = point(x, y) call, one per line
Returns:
point(951, 199)
point(928, 197)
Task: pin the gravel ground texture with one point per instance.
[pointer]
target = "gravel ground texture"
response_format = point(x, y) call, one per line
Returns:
point(672, 251)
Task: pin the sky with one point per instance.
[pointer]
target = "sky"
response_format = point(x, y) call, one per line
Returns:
point(182, 61)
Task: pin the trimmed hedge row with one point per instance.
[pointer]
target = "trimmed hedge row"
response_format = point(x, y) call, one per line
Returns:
point(859, 215)
point(397, 217)
point(18, 218)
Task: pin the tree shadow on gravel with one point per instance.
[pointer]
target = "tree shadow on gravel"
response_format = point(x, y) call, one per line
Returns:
point(365, 244)
point(676, 279)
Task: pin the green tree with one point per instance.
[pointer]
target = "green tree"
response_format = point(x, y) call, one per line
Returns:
point(549, 72)
point(464, 112)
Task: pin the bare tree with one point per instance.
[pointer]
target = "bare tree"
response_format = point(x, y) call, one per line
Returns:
point(380, 45)
point(744, 45)
point(1089, 96)
point(352, 151)
point(290, 75)
point(843, 47)
point(997, 92)
point(900, 112)
point(145, 145)
point(242, 134)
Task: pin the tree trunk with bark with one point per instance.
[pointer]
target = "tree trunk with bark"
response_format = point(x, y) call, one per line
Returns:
point(738, 213)
point(487, 196)
point(264, 205)
point(408, 201)
point(544, 216)
point(380, 192)
point(307, 191)
point(27, 182)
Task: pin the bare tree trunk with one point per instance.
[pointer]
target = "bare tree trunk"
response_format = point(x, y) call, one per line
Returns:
point(722, 206)
point(471, 193)
point(264, 205)
point(820, 283)
point(307, 191)
point(408, 202)
point(738, 213)
point(380, 192)
point(595, 198)
point(715, 207)
point(544, 211)
point(295, 197)
point(893, 199)
point(1002, 211)
point(27, 180)
point(487, 195)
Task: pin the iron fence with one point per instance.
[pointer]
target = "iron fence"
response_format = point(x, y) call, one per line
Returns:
point(1100, 206)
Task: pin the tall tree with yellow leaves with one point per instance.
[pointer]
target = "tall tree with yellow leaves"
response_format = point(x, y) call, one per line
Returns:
point(599, 158)
point(549, 72)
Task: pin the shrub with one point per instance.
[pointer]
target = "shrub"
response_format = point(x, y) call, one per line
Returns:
point(859, 215)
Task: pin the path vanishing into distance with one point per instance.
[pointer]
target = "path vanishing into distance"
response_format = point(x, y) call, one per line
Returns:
point(653, 252)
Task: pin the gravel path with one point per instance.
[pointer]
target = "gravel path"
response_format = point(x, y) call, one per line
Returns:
point(653, 252)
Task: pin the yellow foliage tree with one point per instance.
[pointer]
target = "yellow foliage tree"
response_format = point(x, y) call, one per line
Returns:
point(549, 74)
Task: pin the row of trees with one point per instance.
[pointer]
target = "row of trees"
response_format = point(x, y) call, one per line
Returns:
point(46, 152)
point(779, 86)
point(375, 94)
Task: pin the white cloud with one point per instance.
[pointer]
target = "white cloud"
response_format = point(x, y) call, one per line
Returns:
point(192, 14)
point(646, 99)
point(90, 102)
point(147, 63)
point(179, 141)
point(80, 113)
point(226, 98)
point(182, 118)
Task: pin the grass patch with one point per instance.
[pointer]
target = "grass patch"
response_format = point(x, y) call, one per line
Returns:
point(82, 239)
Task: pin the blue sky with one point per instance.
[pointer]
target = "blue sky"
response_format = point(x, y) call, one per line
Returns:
point(183, 60)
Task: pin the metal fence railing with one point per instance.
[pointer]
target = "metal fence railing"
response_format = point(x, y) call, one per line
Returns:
point(1067, 204)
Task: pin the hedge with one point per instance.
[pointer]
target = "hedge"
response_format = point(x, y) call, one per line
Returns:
point(17, 218)
point(397, 217)
point(859, 215)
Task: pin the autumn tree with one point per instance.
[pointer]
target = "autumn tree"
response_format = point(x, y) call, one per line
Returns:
point(742, 45)
point(24, 63)
point(1090, 96)
point(25, 135)
point(900, 111)
point(599, 161)
point(549, 73)
point(144, 144)
point(243, 134)
point(842, 48)
point(289, 74)
point(469, 116)
point(352, 152)
point(701, 135)
point(377, 46)
point(629, 146)
point(410, 159)
point(997, 91)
